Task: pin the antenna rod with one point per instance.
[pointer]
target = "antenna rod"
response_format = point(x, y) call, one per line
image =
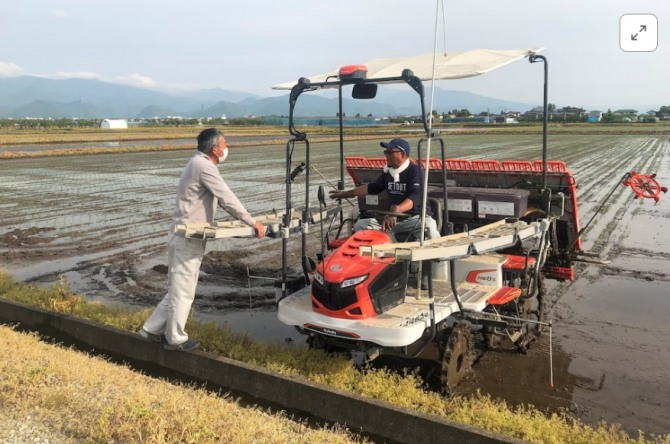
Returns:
point(426, 169)
point(424, 198)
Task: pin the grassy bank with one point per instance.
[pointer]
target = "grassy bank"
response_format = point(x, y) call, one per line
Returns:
point(111, 403)
point(404, 390)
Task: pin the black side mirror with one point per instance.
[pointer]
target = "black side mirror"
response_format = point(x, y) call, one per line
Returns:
point(364, 91)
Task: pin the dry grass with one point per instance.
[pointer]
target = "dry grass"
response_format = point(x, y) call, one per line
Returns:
point(404, 390)
point(11, 136)
point(35, 136)
point(110, 403)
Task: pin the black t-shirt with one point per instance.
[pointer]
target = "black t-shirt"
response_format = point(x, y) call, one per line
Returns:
point(408, 187)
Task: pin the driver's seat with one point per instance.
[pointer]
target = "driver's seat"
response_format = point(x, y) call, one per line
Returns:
point(436, 206)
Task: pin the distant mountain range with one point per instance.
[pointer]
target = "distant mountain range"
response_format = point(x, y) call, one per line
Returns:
point(28, 96)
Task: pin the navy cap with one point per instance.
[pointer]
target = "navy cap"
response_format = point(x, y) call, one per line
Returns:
point(397, 143)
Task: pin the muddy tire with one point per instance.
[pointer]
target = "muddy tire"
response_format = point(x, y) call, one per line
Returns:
point(532, 332)
point(457, 357)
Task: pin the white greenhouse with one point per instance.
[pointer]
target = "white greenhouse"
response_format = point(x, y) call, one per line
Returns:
point(114, 124)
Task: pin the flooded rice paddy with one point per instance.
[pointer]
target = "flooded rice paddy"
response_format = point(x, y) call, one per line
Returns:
point(100, 221)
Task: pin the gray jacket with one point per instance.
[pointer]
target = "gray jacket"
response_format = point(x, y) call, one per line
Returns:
point(201, 187)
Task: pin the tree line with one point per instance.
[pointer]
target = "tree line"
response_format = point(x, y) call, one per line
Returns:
point(565, 114)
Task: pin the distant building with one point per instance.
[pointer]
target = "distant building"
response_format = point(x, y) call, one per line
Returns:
point(114, 124)
point(508, 117)
point(594, 116)
point(570, 113)
point(536, 113)
point(648, 117)
point(471, 119)
point(626, 115)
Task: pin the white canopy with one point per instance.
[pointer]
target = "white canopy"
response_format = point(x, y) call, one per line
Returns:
point(455, 65)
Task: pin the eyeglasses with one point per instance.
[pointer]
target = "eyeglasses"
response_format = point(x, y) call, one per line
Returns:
point(389, 152)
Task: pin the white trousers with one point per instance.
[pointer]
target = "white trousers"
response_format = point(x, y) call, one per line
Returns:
point(404, 226)
point(169, 317)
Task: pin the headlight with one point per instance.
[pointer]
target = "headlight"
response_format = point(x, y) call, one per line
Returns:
point(354, 281)
point(318, 277)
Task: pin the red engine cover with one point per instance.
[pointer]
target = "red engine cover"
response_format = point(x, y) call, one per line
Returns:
point(352, 301)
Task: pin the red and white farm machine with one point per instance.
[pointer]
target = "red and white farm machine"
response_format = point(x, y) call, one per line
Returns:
point(505, 227)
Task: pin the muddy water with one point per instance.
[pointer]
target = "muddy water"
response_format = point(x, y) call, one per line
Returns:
point(614, 329)
point(257, 324)
point(615, 320)
point(100, 221)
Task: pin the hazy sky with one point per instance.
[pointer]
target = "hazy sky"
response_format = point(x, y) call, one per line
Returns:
point(251, 45)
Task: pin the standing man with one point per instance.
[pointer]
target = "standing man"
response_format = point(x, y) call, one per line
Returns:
point(201, 188)
point(403, 180)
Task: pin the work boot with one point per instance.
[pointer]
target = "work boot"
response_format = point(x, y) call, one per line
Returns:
point(188, 345)
point(151, 336)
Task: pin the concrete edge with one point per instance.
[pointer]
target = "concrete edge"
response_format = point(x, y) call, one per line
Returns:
point(293, 393)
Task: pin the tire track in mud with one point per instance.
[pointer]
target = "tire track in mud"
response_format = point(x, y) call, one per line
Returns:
point(97, 201)
point(104, 199)
point(597, 162)
point(604, 313)
point(601, 177)
point(111, 218)
point(593, 188)
point(597, 171)
point(624, 198)
point(636, 274)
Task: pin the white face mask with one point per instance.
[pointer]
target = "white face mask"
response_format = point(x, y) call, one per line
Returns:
point(225, 154)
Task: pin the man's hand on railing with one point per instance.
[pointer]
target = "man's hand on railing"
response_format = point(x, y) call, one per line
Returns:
point(260, 230)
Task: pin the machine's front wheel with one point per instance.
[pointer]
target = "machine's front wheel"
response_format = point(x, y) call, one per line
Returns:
point(457, 357)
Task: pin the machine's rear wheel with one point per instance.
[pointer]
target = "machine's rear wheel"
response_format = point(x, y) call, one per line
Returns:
point(457, 357)
point(532, 332)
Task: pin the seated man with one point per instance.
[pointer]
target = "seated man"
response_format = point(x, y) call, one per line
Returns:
point(403, 180)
